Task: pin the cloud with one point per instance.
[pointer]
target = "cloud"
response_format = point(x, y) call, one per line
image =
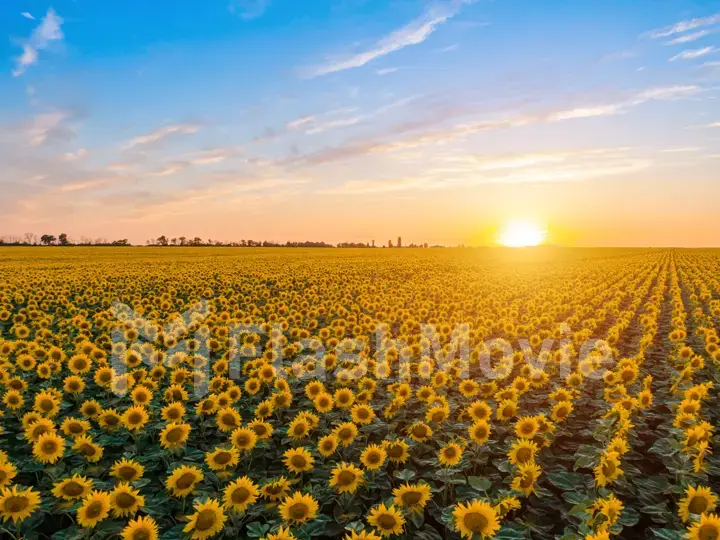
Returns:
point(586, 112)
point(248, 9)
point(160, 134)
point(712, 125)
point(565, 166)
point(386, 71)
point(413, 33)
point(359, 148)
point(74, 156)
point(48, 126)
point(47, 31)
point(332, 124)
point(683, 150)
point(692, 53)
point(685, 26)
point(27, 15)
point(689, 37)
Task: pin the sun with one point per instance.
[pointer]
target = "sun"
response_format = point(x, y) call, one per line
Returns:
point(521, 234)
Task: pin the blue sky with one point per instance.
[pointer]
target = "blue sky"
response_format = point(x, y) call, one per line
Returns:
point(360, 119)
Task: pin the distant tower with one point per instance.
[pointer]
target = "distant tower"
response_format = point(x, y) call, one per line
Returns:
point(390, 243)
point(373, 243)
point(399, 241)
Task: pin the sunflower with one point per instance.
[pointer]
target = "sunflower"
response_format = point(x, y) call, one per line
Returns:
point(708, 528)
point(344, 398)
point(506, 410)
point(48, 448)
point(135, 418)
point(73, 427)
point(283, 533)
point(37, 428)
point(228, 419)
point(109, 419)
point(526, 427)
point(362, 414)
point(450, 454)
point(174, 412)
point(298, 428)
point(240, 494)
point(346, 433)
point(127, 470)
point(524, 481)
point(182, 480)
point(47, 404)
point(13, 399)
point(74, 385)
point(85, 446)
point(17, 503)
point(174, 435)
point(420, 432)
point(387, 520)
point(522, 451)
point(208, 520)
point(142, 528)
point(373, 457)
point(479, 410)
point(476, 518)
point(397, 451)
point(125, 501)
point(222, 459)
point(276, 489)
point(479, 432)
point(412, 496)
point(7, 473)
point(298, 460)
point(327, 445)
point(244, 439)
point(298, 508)
point(346, 478)
point(697, 501)
point(94, 508)
point(610, 508)
point(608, 470)
point(262, 430)
point(506, 505)
point(561, 410)
point(73, 488)
point(264, 409)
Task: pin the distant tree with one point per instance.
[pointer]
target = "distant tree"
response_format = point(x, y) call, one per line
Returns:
point(63, 239)
point(173, 241)
point(162, 240)
point(123, 242)
point(197, 241)
point(48, 239)
point(30, 238)
point(182, 240)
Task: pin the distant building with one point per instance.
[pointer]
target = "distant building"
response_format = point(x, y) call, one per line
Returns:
point(373, 243)
point(399, 244)
point(425, 245)
point(390, 243)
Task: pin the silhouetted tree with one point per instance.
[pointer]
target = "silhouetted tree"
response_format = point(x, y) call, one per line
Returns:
point(48, 239)
point(63, 239)
point(162, 240)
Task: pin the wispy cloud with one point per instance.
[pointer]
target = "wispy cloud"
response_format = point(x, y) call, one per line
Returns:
point(47, 31)
point(689, 37)
point(692, 53)
point(413, 33)
point(48, 126)
point(74, 156)
point(386, 71)
point(27, 15)
point(567, 166)
point(712, 125)
point(683, 150)
point(354, 149)
point(159, 134)
point(685, 26)
point(248, 9)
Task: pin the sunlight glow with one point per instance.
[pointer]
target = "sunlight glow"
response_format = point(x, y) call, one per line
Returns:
point(521, 234)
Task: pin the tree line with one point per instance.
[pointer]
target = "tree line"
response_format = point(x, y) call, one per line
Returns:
point(62, 239)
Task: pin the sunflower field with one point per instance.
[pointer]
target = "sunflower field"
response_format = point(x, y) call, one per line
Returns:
point(424, 394)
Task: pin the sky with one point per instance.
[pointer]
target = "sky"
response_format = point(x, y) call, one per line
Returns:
point(358, 120)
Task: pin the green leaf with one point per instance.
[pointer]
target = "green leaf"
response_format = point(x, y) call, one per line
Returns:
point(567, 481)
point(257, 530)
point(480, 483)
point(405, 475)
point(668, 534)
point(629, 517)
